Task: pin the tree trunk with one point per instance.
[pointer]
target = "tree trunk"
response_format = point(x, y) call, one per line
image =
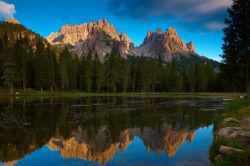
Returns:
point(51, 89)
point(24, 103)
point(41, 90)
point(24, 87)
point(133, 86)
point(153, 87)
point(11, 88)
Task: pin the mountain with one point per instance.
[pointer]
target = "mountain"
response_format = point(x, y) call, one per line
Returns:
point(98, 36)
point(101, 37)
point(14, 30)
point(102, 147)
point(168, 46)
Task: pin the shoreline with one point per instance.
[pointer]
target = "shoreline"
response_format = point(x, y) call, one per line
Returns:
point(231, 144)
point(74, 94)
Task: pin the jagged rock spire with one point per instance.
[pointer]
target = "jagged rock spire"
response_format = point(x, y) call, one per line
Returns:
point(190, 46)
point(149, 33)
point(158, 31)
point(171, 31)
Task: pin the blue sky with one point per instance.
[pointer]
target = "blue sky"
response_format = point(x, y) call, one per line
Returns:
point(198, 20)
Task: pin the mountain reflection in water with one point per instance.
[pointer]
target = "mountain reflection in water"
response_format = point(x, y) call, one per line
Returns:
point(96, 129)
point(102, 148)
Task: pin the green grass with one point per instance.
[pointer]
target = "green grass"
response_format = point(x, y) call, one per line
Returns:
point(34, 93)
point(232, 159)
point(235, 106)
point(214, 149)
point(238, 109)
point(218, 118)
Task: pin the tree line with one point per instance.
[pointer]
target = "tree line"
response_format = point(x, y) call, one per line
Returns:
point(42, 67)
point(28, 61)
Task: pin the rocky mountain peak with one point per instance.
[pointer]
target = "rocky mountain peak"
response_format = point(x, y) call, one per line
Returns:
point(99, 36)
point(171, 31)
point(124, 37)
point(149, 34)
point(159, 31)
point(103, 21)
point(168, 45)
point(12, 20)
point(191, 47)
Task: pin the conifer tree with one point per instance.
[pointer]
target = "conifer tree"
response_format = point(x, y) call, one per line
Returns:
point(52, 63)
point(96, 74)
point(124, 75)
point(41, 67)
point(9, 66)
point(73, 70)
point(141, 75)
point(236, 52)
point(87, 71)
point(64, 60)
point(22, 53)
point(174, 79)
point(211, 76)
point(132, 74)
point(1, 61)
point(112, 70)
point(191, 77)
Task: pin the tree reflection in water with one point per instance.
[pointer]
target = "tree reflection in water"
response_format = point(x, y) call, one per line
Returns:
point(95, 129)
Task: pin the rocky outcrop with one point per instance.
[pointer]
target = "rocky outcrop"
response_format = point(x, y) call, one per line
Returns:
point(191, 47)
point(167, 46)
point(12, 20)
point(240, 130)
point(98, 36)
point(101, 147)
point(229, 150)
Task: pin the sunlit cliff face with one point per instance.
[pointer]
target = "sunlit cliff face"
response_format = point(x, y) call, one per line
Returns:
point(99, 36)
point(101, 148)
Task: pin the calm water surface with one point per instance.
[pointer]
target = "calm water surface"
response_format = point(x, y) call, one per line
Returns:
point(107, 131)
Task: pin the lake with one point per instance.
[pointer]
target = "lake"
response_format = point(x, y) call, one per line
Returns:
point(107, 131)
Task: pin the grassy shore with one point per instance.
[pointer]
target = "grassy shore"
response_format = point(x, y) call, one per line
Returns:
point(57, 94)
point(239, 110)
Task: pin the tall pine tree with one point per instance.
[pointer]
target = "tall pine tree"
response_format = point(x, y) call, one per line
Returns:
point(41, 67)
point(88, 71)
point(236, 56)
point(64, 61)
point(9, 66)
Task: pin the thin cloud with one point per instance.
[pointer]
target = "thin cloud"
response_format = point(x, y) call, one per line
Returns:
point(214, 25)
point(6, 10)
point(204, 14)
